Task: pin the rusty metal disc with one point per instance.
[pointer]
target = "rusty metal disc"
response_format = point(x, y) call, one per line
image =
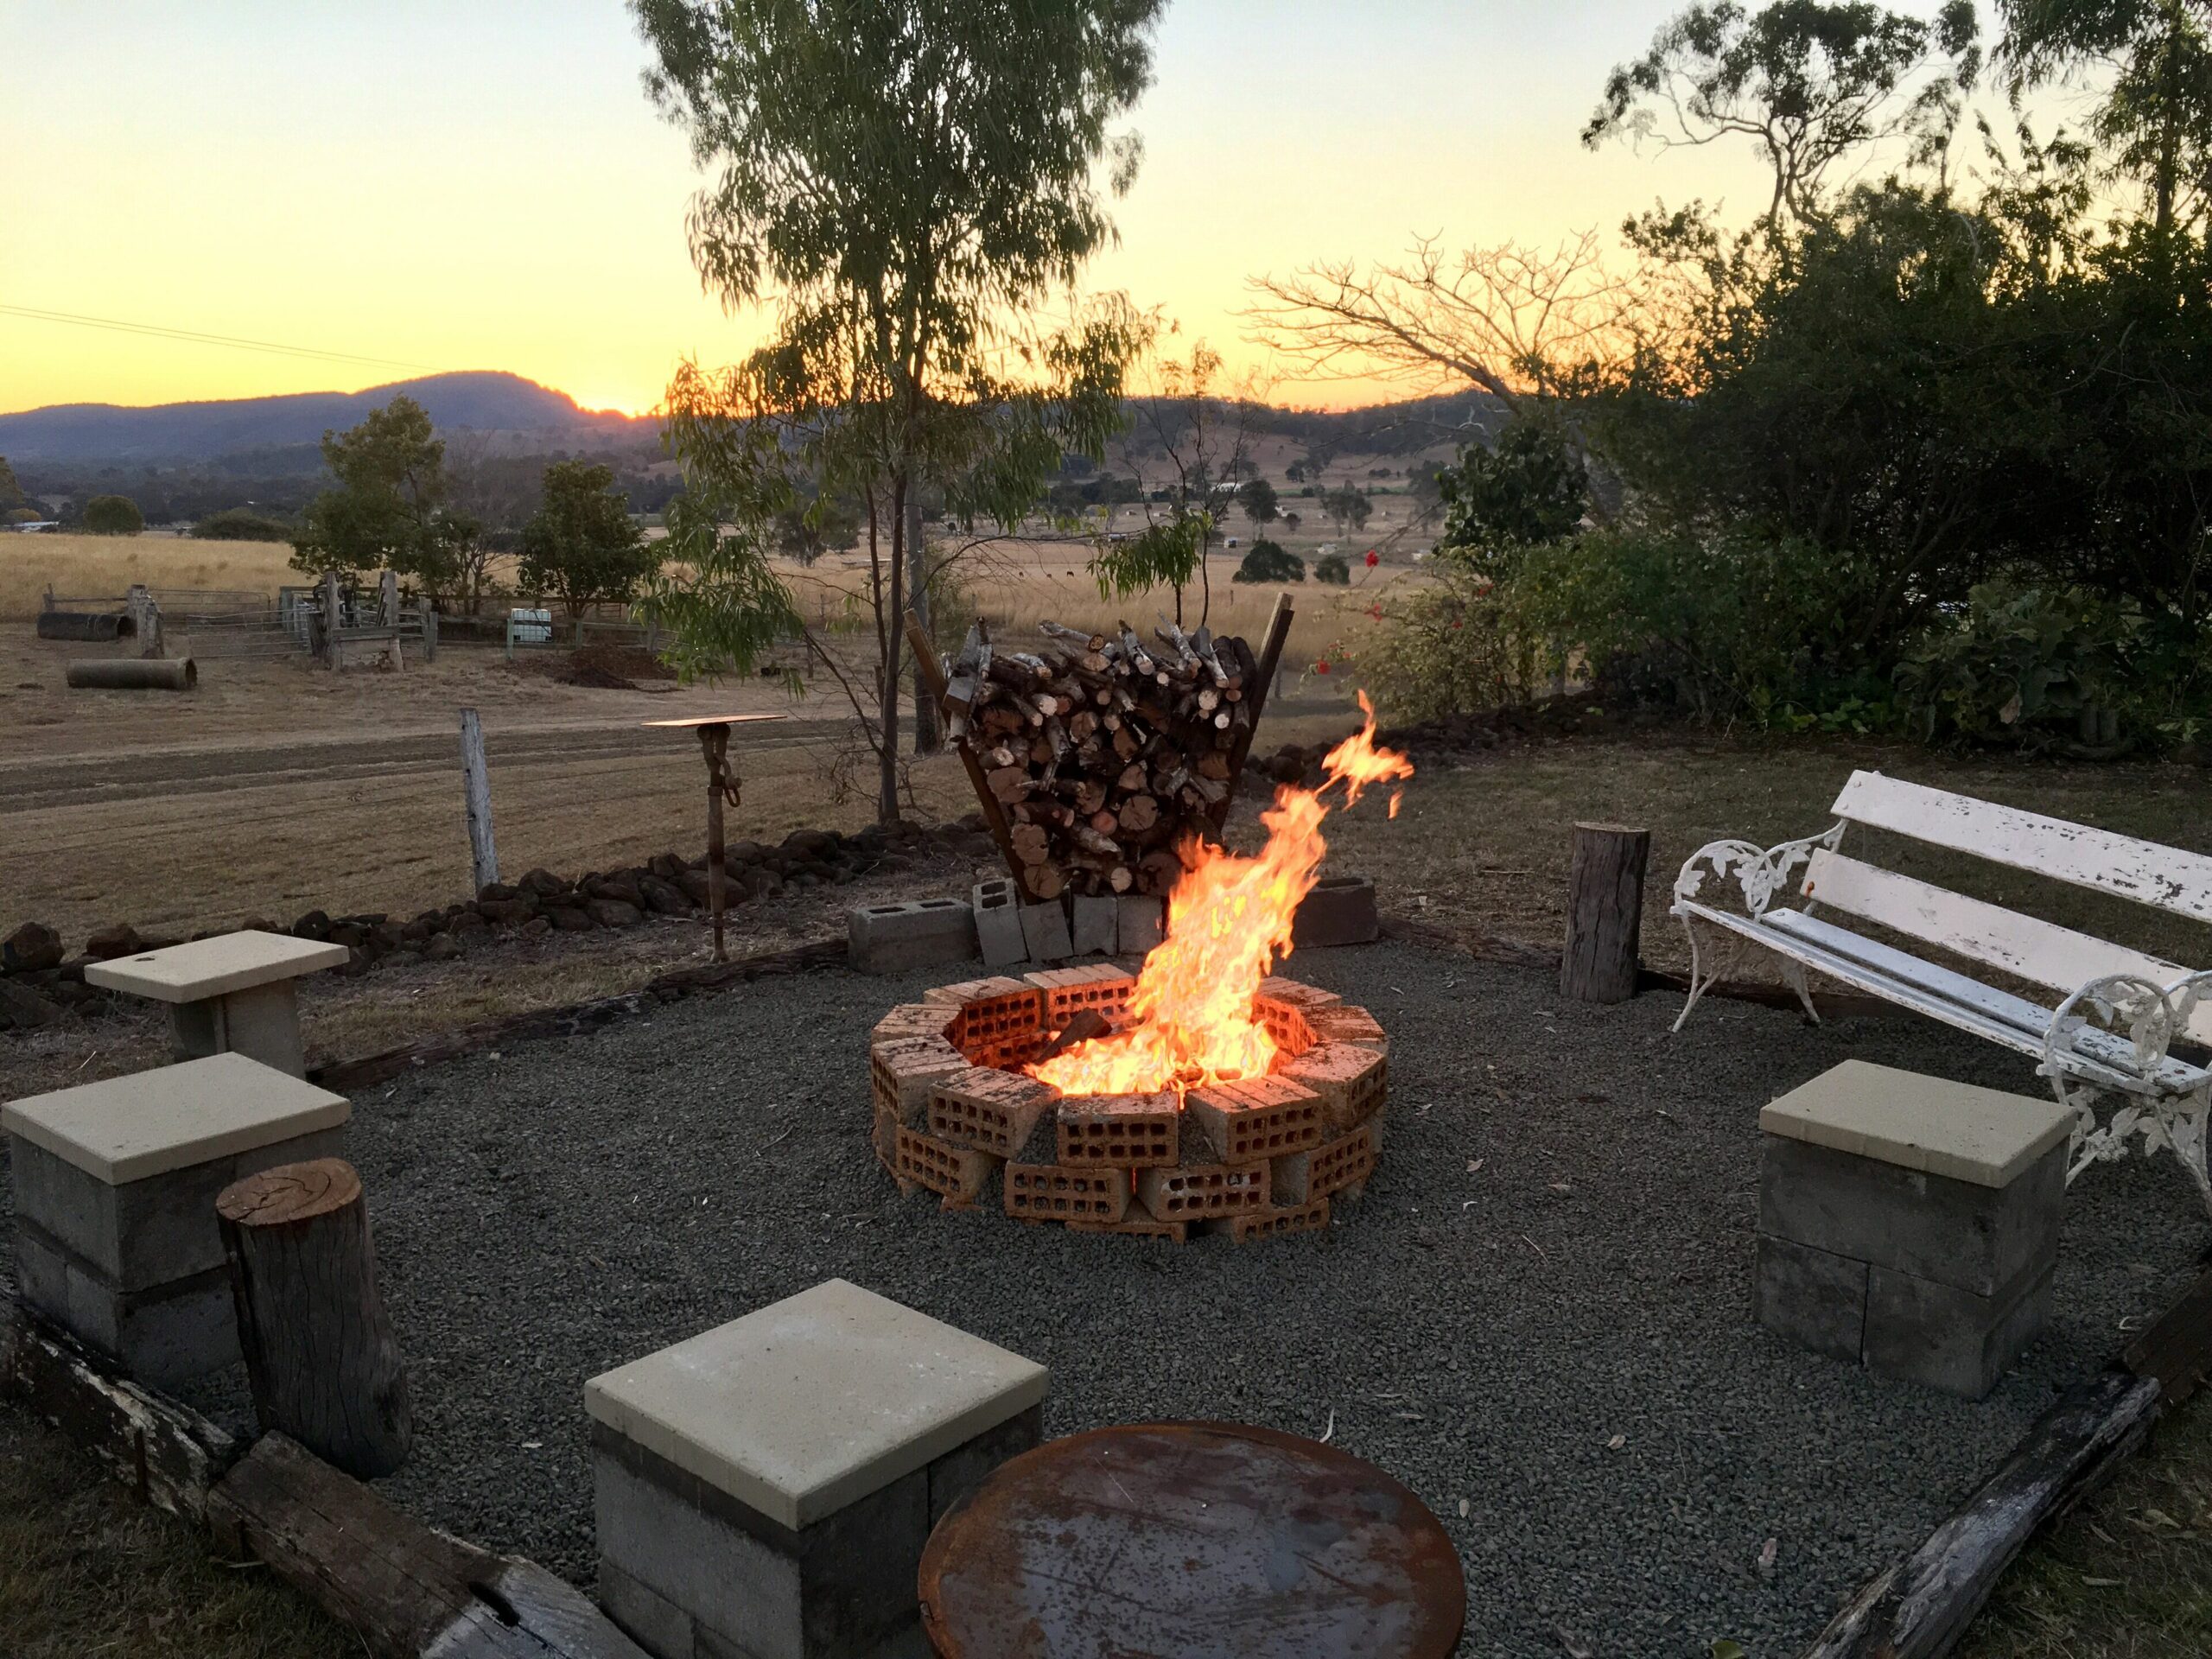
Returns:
point(1202, 1540)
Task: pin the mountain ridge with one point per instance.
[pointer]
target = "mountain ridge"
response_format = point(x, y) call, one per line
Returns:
point(204, 429)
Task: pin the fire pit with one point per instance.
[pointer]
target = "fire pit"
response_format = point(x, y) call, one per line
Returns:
point(956, 1103)
point(1200, 1090)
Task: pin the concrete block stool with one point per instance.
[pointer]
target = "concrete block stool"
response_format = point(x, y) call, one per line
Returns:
point(920, 933)
point(1910, 1223)
point(116, 1240)
point(764, 1490)
point(232, 994)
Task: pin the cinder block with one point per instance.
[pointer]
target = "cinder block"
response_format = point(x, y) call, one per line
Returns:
point(1044, 931)
point(1341, 1023)
point(901, 1074)
point(1922, 1332)
point(989, 1110)
point(1135, 1131)
point(1258, 1117)
point(1068, 991)
point(115, 1188)
point(899, 938)
point(764, 1490)
point(1061, 1192)
point(1816, 1299)
point(1348, 1080)
point(957, 1174)
point(994, 1021)
point(1339, 911)
point(1139, 922)
point(953, 1476)
point(996, 908)
point(1269, 1220)
point(1096, 924)
point(1201, 1194)
point(1136, 1224)
point(1952, 1232)
point(1343, 1165)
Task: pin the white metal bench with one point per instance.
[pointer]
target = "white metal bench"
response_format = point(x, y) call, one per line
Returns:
point(2122, 1011)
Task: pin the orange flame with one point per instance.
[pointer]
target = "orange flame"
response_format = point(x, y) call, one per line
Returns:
point(1228, 919)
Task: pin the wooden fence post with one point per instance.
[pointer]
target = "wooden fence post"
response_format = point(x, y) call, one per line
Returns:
point(319, 1351)
point(1604, 912)
point(476, 793)
point(333, 605)
point(388, 599)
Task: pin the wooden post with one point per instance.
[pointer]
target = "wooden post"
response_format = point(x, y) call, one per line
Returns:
point(319, 1350)
point(332, 602)
point(476, 795)
point(388, 599)
point(714, 742)
point(1604, 912)
point(1271, 643)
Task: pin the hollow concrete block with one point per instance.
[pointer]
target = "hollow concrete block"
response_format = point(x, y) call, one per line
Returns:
point(920, 933)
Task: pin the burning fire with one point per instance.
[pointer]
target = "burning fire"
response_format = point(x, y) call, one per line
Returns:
point(1228, 919)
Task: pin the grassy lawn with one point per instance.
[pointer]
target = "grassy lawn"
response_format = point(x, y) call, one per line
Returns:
point(85, 1570)
point(1480, 847)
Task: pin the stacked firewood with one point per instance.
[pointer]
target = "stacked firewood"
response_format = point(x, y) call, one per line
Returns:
point(1103, 750)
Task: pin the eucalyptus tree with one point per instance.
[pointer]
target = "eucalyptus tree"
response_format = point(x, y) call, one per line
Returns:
point(2154, 59)
point(1810, 84)
point(905, 180)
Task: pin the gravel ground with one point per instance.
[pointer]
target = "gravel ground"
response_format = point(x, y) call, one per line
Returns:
point(1554, 1257)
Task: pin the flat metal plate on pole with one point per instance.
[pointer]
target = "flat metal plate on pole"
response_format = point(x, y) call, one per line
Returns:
point(721, 786)
point(1170, 1538)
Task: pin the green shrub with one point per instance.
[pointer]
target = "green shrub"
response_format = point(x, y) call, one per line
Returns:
point(2061, 668)
point(1267, 561)
point(238, 524)
point(1333, 569)
point(1455, 647)
point(113, 515)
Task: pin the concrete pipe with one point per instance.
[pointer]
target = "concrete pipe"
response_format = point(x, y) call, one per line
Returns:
point(134, 673)
point(99, 625)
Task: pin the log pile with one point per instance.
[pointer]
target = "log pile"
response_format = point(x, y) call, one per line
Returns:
point(1104, 750)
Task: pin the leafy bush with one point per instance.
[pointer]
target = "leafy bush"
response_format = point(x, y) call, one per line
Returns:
point(113, 515)
point(1530, 489)
point(1267, 561)
point(2053, 667)
point(1456, 646)
point(1333, 569)
point(237, 525)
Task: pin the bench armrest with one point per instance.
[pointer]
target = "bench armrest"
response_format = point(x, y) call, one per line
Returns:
point(1760, 872)
point(2149, 1016)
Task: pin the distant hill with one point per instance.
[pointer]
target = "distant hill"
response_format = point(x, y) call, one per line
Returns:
point(529, 415)
point(278, 436)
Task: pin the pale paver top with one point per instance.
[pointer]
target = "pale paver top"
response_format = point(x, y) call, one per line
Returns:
point(808, 1404)
point(206, 968)
point(1955, 1130)
point(150, 1122)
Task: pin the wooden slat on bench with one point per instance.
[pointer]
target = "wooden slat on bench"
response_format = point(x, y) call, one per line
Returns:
point(2141, 870)
point(2037, 951)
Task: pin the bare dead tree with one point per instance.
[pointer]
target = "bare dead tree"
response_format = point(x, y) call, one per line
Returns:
point(1518, 322)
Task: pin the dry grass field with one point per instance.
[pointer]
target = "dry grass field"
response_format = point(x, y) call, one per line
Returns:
point(103, 565)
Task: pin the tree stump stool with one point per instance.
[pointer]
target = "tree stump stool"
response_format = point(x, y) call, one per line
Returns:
point(319, 1350)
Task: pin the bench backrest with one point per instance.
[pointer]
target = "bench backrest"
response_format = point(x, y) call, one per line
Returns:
point(2040, 953)
point(2142, 870)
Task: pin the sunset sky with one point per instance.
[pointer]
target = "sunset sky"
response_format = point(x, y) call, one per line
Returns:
point(485, 186)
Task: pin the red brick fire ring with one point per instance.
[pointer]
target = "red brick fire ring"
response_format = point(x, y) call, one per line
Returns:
point(1250, 1159)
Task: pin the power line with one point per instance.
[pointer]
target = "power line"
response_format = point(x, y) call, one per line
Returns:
point(191, 336)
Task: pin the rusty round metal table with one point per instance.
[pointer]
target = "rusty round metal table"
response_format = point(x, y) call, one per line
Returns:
point(1201, 1540)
